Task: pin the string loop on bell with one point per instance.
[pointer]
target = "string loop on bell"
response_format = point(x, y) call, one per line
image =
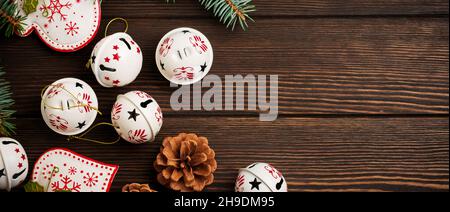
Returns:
point(116, 19)
point(82, 136)
point(79, 103)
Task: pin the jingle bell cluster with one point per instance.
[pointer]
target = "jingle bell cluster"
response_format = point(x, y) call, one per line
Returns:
point(70, 106)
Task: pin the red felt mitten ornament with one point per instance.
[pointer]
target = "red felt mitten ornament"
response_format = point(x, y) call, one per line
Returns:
point(64, 25)
point(61, 170)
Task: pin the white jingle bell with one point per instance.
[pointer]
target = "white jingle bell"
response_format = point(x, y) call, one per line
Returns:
point(116, 60)
point(69, 106)
point(13, 164)
point(184, 56)
point(260, 177)
point(137, 117)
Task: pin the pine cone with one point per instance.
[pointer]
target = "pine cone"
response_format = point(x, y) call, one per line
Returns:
point(135, 187)
point(186, 163)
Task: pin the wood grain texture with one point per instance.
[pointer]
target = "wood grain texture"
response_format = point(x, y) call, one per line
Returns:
point(280, 8)
point(325, 66)
point(363, 92)
point(315, 154)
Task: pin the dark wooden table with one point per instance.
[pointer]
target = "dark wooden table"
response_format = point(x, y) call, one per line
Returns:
point(363, 92)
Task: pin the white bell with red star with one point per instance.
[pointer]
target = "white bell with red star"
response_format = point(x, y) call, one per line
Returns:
point(184, 56)
point(116, 60)
point(13, 164)
point(137, 117)
point(260, 177)
point(69, 106)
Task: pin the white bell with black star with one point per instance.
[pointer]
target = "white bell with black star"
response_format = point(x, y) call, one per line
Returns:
point(13, 164)
point(116, 60)
point(69, 106)
point(260, 177)
point(184, 56)
point(137, 117)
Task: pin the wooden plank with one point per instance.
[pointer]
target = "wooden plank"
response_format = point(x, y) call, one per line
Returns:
point(325, 66)
point(298, 8)
point(315, 154)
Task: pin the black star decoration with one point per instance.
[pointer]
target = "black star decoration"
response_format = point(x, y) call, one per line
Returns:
point(81, 125)
point(2, 173)
point(133, 115)
point(162, 65)
point(255, 184)
point(203, 67)
point(79, 85)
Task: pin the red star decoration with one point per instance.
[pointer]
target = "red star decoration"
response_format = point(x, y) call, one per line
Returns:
point(107, 78)
point(116, 82)
point(107, 59)
point(20, 165)
point(116, 47)
point(138, 50)
point(23, 157)
point(17, 150)
point(116, 57)
point(132, 42)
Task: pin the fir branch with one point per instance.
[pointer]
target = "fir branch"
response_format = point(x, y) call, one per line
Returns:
point(6, 102)
point(230, 12)
point(10, 19)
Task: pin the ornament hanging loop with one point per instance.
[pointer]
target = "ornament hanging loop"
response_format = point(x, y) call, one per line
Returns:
point(71, 94)
point(116, 19)
point(82, 137)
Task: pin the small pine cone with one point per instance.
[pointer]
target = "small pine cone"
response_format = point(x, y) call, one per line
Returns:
point(135, 187)
point(186, 163)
